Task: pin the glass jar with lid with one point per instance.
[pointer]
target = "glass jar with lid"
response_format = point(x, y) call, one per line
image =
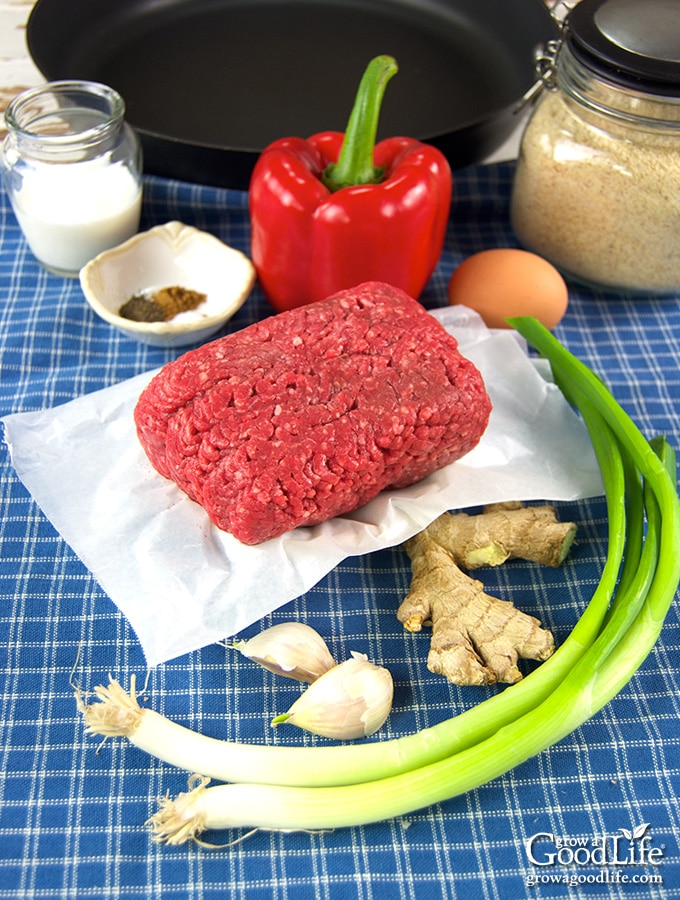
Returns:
point(72, 171)
point(597, 184)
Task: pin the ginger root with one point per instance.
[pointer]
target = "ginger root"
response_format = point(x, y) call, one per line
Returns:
point(477, 639)
point(504, 531)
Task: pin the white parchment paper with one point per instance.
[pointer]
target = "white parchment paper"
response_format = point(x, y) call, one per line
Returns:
point(183, 584)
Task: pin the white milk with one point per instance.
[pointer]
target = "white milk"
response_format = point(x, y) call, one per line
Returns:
point(71, 212)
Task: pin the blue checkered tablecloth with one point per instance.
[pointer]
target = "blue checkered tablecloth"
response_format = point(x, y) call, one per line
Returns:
point(73, 812)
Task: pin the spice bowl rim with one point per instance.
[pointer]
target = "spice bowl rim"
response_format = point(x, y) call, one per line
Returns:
point(108, 281)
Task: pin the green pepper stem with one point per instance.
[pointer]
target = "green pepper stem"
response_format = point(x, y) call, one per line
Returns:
point(355, 163)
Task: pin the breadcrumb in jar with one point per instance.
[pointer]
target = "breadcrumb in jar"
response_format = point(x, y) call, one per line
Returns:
point(600, 198)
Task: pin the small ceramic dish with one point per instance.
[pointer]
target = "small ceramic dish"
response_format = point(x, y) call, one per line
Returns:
point(168, 255)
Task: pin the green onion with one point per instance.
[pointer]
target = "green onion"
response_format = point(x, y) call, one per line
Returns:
point(372, 782)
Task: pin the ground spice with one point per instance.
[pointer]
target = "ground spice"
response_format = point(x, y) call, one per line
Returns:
point(141, 309)
point(600, 200)
point(161, 305)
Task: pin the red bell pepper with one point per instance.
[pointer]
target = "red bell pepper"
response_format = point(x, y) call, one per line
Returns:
point(332, 211)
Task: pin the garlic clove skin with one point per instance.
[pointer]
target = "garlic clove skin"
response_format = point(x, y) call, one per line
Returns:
point(352, 700)
point(291, 649)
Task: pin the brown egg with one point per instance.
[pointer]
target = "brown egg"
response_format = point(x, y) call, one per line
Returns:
point(505, 282)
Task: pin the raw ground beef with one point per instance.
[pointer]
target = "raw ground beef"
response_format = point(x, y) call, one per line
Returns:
point(311, 413)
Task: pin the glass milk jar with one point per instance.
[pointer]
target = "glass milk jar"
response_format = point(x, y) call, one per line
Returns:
point(597, 184)
point(72, 170)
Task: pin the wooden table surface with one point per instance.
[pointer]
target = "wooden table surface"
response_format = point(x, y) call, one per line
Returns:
point(17, 71)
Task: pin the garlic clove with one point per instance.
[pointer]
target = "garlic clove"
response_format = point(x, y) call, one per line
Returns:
point(352, 700)
point(291, 649)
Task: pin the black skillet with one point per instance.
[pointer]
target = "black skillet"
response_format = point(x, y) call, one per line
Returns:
point(209, 83)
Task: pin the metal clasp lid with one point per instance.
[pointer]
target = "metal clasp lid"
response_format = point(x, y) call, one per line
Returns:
point(560, 9)
point(544, 63)
point(545, 56)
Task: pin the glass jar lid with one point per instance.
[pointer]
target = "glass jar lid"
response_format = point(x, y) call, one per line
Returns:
point(635, 43)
